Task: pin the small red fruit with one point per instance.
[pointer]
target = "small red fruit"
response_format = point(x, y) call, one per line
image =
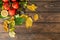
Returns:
point(13, 0)
point(12, 12)
point(15, 5)
point(6, 6)
point(5, 0)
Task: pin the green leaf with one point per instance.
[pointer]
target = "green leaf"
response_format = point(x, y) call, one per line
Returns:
point(17, 15)
point(19, 21)
point(12, 24)
point(1, 16)
point(12, 29)
point(22, 3)
point(1, 4)
point(0, 0)
point(4, 17)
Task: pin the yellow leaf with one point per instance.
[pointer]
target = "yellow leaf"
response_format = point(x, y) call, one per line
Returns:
point(32, 7)
point(24, 16)
point(5, 25)
point(29, 22)
point(2, 8)
point(12, 18)
point(6, 29)
point(36, 17)
point(7, 21)
point(12, 34)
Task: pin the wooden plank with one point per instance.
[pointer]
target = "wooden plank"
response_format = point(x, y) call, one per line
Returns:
point(52, 21)
point(46, 28)
point(47, 17)
point(38, 37)
point(4, 36)
point(43, 0)
point(1, 28)
point(47, 6)
point(39, 28)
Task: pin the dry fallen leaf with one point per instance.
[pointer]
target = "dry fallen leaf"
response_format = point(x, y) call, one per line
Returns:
point(36, 17)
point(29, 22)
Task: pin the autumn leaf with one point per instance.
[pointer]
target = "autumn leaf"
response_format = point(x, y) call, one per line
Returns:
point(29, 22)
point(32, 7)
point(36, 17)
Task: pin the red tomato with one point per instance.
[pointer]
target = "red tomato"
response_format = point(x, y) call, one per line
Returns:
point(5, 0)
point(15, 5)
point(6, 6)
point(12, 12)
point(13, 0)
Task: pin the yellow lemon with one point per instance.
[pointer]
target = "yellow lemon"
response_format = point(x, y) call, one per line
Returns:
point(4, 13)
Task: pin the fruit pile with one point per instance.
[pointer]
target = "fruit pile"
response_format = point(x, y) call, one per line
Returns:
point(13, 13)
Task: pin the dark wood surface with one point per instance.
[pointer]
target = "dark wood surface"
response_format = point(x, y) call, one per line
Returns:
point(46, 28)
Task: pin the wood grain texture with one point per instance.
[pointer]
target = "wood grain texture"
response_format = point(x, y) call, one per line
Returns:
point(46, 28)
point(44, 6)
point(43, 0)
point(47, 17)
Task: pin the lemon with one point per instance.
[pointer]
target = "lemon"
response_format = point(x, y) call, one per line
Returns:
point(4, 13)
